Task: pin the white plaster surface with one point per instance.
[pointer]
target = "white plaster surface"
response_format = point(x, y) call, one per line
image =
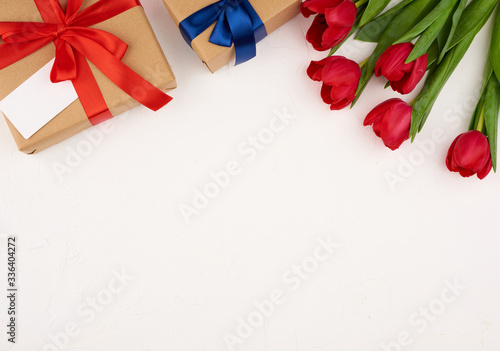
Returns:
point(115, 212)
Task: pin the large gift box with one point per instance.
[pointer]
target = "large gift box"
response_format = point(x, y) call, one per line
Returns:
point(217, 30)
point(145, 72)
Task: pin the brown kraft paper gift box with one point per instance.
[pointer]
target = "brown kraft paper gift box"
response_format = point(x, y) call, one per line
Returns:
point(144, 56)
point(274, 13)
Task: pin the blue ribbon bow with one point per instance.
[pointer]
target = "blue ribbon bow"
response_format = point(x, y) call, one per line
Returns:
point(236, 22)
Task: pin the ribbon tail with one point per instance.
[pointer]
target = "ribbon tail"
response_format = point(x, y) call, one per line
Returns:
point(243, 35)
point(134, 85)
point(89, 92)
point(125, 78)
point(258, 26)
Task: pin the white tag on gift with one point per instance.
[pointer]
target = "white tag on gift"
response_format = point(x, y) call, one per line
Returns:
point(35, 102)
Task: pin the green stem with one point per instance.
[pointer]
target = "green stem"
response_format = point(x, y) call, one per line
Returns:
point(360, 3)
point(413, 102)
point(480, 123)
point(363, 63)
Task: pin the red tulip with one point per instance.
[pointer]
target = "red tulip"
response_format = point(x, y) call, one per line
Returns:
point(332, 24)
point(404, 77)
point(470, 154)
point(391, 122)
point(340, 77)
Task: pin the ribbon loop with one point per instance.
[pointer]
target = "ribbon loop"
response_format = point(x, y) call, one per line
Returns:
point(236, 22)
point(221, 35)
point(75, 43)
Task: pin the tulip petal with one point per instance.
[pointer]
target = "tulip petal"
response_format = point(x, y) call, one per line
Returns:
point(305, 11)
point(449, 157)
point(341, 71)
point(326, 91)
point(379, 111)
point(339, 105)
point(395, 127)
point(465, 172)
point(315, 68)
point(315, 33)
point(391, 64)
point(342, 92)
point(334, 36)
point(342, 15)
point(411, 79)
point(485, 171)
point(377, 126)
point(311, 7)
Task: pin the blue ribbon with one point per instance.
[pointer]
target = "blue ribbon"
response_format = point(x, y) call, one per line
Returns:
point(236, 22)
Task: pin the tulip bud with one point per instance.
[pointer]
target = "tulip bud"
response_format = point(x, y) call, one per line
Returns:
point(470, 154)
point(340, 77)
point(391, 122)
point(403, 77)
point(332, 24)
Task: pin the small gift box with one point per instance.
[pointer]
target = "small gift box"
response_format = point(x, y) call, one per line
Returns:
point(106, 49)
point(219, 31)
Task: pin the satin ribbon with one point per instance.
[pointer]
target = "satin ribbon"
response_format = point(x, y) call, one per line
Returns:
point(75, 43)
point(236, 22)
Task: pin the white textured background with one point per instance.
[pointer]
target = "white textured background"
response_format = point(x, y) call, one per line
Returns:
point(324, 177)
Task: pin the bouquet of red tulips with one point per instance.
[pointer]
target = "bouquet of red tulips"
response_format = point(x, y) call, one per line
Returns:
point(412, 38)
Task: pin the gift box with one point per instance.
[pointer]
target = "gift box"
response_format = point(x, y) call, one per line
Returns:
point(271, 13)
point(144, 56)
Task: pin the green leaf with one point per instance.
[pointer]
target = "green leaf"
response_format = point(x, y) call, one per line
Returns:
point(491, 109)
point(441, 73)
point(488, 71)
point(432, 54)
point(444, 34)
point(434, 84)
point(453, 27)
point(428, 37)
point(373, 30)
point(373, 10)
point(473, 17)
point(405, 19)
point(495, 46)
point(443, 9)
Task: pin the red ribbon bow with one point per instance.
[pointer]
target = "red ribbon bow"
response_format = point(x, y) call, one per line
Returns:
point(75, 43)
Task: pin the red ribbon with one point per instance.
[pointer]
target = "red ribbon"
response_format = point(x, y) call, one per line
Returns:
point(75, 43)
